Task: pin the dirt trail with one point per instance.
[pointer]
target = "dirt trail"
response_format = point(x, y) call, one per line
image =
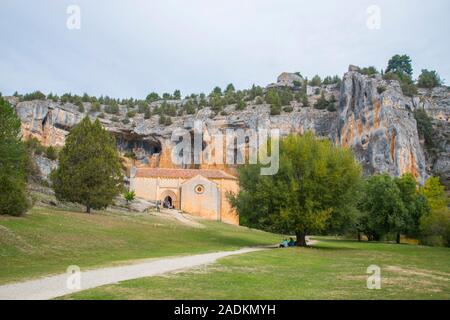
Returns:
point(56, 286)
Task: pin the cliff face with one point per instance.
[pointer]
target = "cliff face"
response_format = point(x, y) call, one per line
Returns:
point(48, 121)
point(377, 122)
point(436, 103)
point(373, 118)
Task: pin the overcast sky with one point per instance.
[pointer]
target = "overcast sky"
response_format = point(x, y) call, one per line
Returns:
point(130, 48)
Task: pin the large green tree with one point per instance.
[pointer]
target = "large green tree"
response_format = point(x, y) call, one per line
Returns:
point(90, 170)
point(434, 191)
point(13, 157)
point(416, 204)
point(392, 205)
point(435, 226)
point(315, 189)
point(382, 207)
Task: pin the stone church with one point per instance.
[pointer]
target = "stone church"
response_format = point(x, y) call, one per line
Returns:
point(200, 192)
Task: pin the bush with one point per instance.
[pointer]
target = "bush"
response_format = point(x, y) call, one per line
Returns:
point(315, 81)
point(131, 114)
point(34, 146)
point(406, 83)
point(381, 89)
point(429, 79)
point(36, 95)
point(424, 126)
point(391, 76)
point(152, 97)
point(409, 89)
point(32, 172)
point(168, 109)
point(275, 110)
point(112, 108)
point(273, 98)
point(259, 101)
point(51, 153)
point(115, 119)
point(147, 114)
point(80, 106)
point(95, 106)
point(435, 228)
point(50, 96)
point(332, 107)
point(142, 107)
point(288, 109)
point(369, 71)
point(286, 97)
point(13, 200)
point(167, 121)
point(177, 94)
point(129, 196)
point(190, 107)
point(331, 80)
point(305, 102)
point(241, 105)
point(126, 121)
point(322, 103)
point(297, 83)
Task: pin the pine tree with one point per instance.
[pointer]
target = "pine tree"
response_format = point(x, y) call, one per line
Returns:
point(13, 157)
point(89, 169)
point(177, 94)
point(400, 64)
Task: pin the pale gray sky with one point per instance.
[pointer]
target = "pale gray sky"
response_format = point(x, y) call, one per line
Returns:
point(130, 48)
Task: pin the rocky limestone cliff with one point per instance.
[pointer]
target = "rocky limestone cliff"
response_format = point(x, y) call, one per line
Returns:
point(374, 118)
point(436, 103)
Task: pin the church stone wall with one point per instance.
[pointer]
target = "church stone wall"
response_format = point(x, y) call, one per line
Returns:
point(206, 203)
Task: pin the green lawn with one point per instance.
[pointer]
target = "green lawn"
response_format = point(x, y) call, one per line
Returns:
point(333, 269)
point(47, 241)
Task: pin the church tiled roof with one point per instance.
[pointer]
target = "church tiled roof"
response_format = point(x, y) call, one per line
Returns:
point(182, 173)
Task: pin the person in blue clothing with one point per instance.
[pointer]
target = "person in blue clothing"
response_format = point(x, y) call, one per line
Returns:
point(284, 243)
point(292, 243)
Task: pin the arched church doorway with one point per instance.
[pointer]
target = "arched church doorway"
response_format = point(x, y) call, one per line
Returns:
point(169, 199)
point(168, 203)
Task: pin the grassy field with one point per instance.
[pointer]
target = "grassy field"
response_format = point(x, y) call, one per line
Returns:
point(47, 241)
point(333, 269)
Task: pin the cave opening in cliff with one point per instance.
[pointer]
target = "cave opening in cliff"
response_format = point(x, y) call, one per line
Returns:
point(141, 149)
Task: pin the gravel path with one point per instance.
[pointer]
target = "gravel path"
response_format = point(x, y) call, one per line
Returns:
point(56, 286)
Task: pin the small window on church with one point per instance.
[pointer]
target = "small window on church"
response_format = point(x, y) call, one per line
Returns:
point(199, 189)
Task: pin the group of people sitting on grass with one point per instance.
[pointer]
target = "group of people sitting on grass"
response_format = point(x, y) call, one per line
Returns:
point(286, 244)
